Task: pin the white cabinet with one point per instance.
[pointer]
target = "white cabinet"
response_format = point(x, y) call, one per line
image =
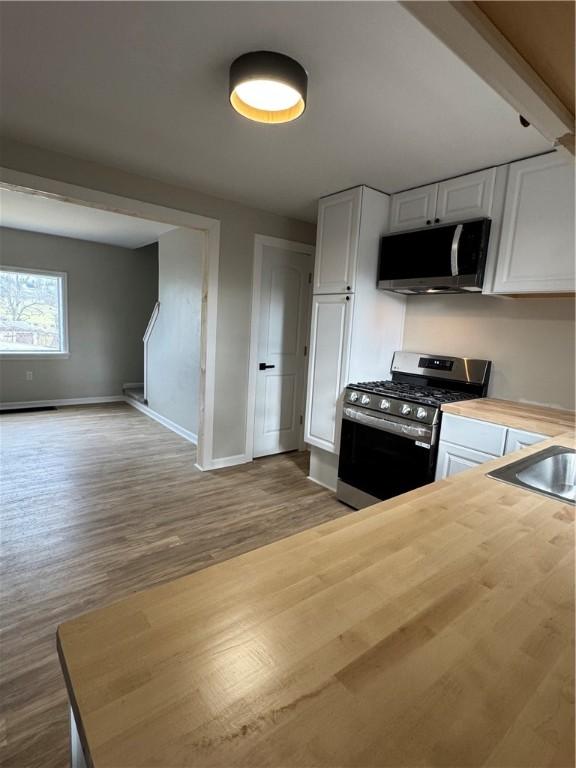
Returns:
point(327, 367)
point(355, 327)
point(536, 252)
point(414, 208)
point(337, 242)
point(517, 439)
point(453, 459)
point(480, 435)
point(464, 197)
point(466, 443)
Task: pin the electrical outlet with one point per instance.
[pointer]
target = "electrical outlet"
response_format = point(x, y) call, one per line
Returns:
point(29, 376)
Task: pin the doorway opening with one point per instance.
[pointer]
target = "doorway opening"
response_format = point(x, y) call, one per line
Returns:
point(198, 237)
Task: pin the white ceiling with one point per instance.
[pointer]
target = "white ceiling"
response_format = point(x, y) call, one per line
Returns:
point(53, 217)
point(143, 87)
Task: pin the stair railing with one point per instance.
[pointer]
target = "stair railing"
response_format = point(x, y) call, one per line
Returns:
point(145, 339)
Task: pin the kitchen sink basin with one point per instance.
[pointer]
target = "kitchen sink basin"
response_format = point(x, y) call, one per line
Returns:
point(551, 472)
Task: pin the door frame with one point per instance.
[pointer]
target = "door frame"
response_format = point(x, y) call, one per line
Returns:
point(28, 183)
point(289, 245)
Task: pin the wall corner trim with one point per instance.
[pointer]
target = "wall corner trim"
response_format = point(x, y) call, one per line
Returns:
point(319, 482)
point(185, 433)
point(225, 461)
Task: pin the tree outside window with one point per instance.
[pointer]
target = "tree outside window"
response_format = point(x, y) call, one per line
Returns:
point(31, 312)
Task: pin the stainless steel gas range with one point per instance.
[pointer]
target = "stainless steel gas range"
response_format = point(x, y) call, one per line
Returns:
point(390, 429)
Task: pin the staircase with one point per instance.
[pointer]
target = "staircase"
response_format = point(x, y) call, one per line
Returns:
point(135, 392)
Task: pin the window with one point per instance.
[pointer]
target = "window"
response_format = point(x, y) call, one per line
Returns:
point(32, 312)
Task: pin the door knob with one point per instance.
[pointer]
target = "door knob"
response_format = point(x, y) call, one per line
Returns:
point(263, 366)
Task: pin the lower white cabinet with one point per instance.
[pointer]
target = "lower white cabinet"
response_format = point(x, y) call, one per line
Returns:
point(517, 439)
point(453, 459)
point(483, 436)
point(327, 368)
point(466, 443)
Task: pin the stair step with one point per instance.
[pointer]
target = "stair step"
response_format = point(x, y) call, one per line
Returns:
point(135, 393)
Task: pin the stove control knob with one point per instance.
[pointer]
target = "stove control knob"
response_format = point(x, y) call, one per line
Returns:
point(406, 410)
point(353, 397)
point(421, 413)
point(385, 404)
point(365, 400)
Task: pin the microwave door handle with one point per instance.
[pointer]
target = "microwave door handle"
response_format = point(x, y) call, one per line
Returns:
point(454, 250)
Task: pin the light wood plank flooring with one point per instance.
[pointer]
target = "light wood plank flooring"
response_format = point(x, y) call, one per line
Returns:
point(99, 502)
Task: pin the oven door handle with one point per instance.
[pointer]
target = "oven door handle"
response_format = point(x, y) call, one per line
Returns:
point(417, 432)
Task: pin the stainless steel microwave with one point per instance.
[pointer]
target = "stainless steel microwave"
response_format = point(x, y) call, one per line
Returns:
point(440, 259)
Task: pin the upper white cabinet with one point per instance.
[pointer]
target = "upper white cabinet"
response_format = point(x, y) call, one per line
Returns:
point(465, 197)
point(337, 242)
point(536, 251)
point(414, 208)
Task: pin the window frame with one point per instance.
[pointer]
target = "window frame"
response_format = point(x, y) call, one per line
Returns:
point(64, 351)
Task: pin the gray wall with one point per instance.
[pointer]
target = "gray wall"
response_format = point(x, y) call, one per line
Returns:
point(529, 340)
point(174, 346)
point(111, 292)
point(239, 224)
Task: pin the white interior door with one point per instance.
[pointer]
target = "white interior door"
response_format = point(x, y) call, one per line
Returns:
point(284, 306)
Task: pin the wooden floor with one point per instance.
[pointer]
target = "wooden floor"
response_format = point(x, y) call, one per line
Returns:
point(99, 502)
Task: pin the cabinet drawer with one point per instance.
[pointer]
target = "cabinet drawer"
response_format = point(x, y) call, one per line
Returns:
point(471, 433)
point(517, 439)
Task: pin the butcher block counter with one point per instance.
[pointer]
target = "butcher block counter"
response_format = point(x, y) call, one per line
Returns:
point(433, 629)
point(508, 413)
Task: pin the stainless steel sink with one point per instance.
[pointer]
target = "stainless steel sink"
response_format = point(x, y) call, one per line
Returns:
point(551, 472)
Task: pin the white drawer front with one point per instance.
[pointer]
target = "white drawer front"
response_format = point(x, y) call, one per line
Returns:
point(517, 439)
point(471, 433)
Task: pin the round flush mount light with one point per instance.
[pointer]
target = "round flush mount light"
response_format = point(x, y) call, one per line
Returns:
point(268, 87)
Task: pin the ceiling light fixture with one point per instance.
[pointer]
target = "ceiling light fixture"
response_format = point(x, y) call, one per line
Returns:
point(268, 87)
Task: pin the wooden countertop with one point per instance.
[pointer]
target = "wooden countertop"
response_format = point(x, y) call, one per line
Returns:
point(433, 629)
point(531, 418)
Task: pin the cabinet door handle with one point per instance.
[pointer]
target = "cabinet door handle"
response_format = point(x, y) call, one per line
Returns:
point(436, 221)
point(428, 221)
point(264, 366)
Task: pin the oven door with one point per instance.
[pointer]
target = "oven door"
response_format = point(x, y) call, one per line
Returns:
point(382, 458)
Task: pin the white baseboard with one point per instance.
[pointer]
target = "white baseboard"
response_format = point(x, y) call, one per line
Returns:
point(62, 403)
point(185, 433)
point(324, 485)
point(226, 461)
